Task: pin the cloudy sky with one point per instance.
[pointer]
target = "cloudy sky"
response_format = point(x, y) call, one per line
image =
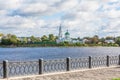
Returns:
point(80, 17)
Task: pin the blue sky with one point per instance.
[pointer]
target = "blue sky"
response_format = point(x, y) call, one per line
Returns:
point(43, 17)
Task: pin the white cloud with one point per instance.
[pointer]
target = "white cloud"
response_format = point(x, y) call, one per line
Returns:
point(3, 12)
point(114, 13)
point(10, 4)
point(89, 5)
point(39, 17)
point(33, 9)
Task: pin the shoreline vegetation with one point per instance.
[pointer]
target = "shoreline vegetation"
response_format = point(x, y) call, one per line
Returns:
point(50, 40)
point(59, 45)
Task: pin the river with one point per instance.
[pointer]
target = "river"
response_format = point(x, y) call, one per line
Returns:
point(55, 52)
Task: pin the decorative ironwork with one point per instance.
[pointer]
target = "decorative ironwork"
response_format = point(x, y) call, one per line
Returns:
point(54, 65)
point(114, 60)
point(1, 70)
point(99, 61)
point(79, 63)
point(23, 68)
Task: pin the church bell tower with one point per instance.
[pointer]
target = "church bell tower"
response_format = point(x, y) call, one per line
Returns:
point(60, 33)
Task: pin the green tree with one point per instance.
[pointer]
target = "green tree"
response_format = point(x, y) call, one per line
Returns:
point(5, 41)
point(88, 38)
point(1, 34)
point(109, 38)
point(52, 37)
point(117, 40)
point(13, 39)
point(38, 39)
point(33, 39)
point(56, 37)
point(44, 38)
point(9, 35)
point(95, 39)
point(24, 40)
point(78, 38)
point(9, 40)
point(77, 44)
point(102, 40)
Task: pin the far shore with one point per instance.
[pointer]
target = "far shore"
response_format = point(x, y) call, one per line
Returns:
point(3, 46)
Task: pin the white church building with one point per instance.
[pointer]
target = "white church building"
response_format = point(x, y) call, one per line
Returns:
point(66, 37)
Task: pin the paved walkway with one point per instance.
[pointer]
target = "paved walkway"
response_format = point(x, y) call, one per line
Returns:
point(93, 74)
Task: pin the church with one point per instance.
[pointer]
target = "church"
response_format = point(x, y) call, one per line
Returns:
point(66, 37)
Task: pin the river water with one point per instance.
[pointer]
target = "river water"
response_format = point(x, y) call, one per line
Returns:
point(55, 52)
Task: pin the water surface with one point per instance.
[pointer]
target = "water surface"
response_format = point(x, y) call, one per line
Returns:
point(55, 52)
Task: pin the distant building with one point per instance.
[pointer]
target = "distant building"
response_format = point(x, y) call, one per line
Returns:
point(109, 41)
point(75, 40)
point(66, 37)
point(60, 39)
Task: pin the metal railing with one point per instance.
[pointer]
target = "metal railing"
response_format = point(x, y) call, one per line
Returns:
point(54, 65)
point(79, 63)
point(99, 62)
point(23, 68)
point(1, 69)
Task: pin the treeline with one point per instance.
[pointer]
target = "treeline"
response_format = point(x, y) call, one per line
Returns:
point(11, 39)
point(50, 40)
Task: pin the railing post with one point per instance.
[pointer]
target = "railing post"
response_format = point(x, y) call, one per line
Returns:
point(5, 69)
point(108, 61)
point(119, 59)
point(68, 64)
point(41, 67)
point(90, 62)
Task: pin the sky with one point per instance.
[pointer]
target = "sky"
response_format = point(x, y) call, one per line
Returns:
point(42, 17)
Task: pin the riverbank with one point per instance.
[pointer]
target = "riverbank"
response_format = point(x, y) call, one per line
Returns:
point(54, 44)
point(93, 74)
point(32, 46)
